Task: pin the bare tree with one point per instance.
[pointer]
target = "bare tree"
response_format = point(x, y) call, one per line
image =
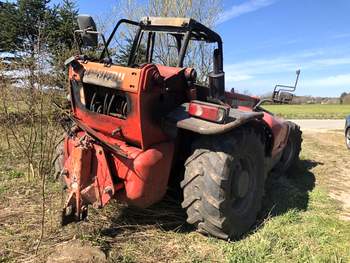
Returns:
point(27, 113)
point(199, 54)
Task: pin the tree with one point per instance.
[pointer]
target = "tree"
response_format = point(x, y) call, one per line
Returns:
point(199, 55)
point(342, 97)
point(9, 29)
point(44, 33)
point(63, 25)
point(345, 98)
point(34, 23)
point(61, 37)
point(123, 53)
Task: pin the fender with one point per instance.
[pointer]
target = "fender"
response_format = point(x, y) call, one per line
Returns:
point(182, 120)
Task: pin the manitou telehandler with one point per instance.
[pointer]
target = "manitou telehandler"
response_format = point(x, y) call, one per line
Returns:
point(138, 126)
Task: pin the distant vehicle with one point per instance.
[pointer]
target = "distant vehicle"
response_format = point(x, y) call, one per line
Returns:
point(347, 132)
point(282, 94)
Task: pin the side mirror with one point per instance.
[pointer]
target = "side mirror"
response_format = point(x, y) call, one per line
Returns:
point(87, 27)
point(283, 93)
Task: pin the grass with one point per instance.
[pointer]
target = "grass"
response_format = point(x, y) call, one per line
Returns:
point(310, 111)
point(299, 222)
point(314, 235)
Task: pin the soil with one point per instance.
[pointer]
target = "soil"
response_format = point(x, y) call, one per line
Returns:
point(328, 148)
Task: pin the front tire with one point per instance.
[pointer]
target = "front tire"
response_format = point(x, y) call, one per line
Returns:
point(223, 184)
point(347, 138)
point(292, 150)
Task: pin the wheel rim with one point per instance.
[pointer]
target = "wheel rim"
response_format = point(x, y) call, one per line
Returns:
point(243, 182)
point(348, 138)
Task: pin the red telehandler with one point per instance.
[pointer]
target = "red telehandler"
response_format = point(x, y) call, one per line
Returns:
point(136, 126)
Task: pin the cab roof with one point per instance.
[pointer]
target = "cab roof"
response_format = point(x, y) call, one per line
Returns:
point(180, 25)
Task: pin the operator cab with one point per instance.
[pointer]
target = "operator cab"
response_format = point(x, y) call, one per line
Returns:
point(145, 47)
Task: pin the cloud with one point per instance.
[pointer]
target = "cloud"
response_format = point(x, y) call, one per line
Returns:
point(237, 77)
point(323, 72)
point(261, 66)
point(330, 81)
point(306, 60)
point(244, 8)
point(332, 61)
point(341, 35)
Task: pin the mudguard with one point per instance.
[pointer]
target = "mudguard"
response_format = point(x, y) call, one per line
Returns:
point(182, 120)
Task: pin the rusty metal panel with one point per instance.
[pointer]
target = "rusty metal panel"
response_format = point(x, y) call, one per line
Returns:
point(122, 78)
point(166, 21)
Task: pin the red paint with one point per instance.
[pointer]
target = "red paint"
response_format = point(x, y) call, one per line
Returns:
point(279, 130)
point(277, 126)
point(142, 178)
point(87, 176)
point(146, 176)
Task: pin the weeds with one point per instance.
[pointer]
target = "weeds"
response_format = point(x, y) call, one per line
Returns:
point(2, 189)
point(298, 223)
point(31, 132)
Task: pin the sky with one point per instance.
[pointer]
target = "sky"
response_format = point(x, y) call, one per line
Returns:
point(266, 41)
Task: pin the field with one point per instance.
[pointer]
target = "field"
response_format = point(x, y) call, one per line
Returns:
point(300, 222)
point(310, 111)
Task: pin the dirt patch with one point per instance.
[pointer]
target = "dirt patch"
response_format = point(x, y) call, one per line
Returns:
point(319, 125)
point(159, 233)
point(76, 251)
point(329, 149)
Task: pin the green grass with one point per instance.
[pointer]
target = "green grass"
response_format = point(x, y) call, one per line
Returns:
point(310, 111)
point(298, 223)
point(314, 235)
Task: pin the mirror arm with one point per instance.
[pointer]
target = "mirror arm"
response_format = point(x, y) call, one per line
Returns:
point(288, 88)
point(257, 106)
point(296, 81)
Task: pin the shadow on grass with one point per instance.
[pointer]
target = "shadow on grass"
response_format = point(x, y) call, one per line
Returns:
point(282, 194)
point(290, 191)
point(166, 215)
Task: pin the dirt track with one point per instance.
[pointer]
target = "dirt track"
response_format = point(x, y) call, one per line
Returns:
point(328, 149)
point(324, 141)
point(314, 124)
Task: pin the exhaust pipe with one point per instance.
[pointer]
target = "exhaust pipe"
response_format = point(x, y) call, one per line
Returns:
point(217, 76)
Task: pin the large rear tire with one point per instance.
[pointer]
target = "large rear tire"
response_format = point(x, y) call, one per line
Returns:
point(291, 152)
point(223, 183)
